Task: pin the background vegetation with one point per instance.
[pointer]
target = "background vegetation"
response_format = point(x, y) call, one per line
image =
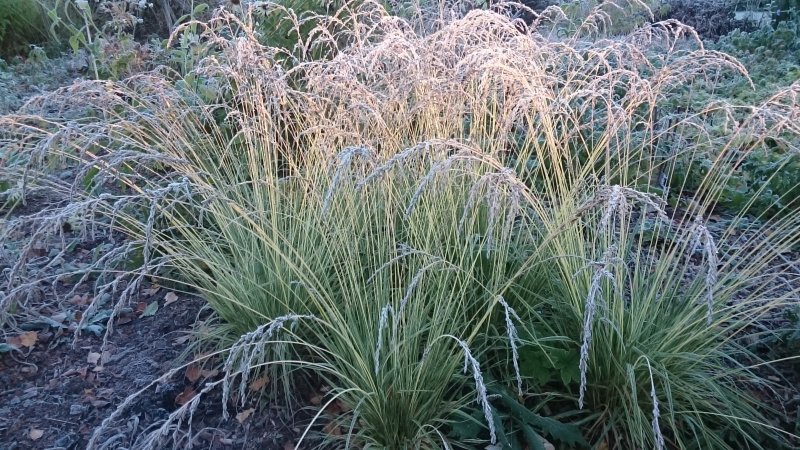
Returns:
point(22, 23)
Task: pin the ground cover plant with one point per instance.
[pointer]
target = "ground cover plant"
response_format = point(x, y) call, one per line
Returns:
point(22, 23)
point(474, 230)
point(766, 177)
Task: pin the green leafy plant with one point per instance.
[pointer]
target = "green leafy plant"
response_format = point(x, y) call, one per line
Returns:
point(22, 23)
point(764, 179)
point(183, 50)
point(103, 30)
point(771, 57)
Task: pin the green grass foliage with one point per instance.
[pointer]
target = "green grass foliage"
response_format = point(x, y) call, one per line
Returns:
point(22, 23)
point(474, 235)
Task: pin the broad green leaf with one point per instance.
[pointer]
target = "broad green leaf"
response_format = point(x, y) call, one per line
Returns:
point(5, 348)
point(150, 310)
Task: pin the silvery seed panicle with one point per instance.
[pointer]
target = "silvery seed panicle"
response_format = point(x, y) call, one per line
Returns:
point(701, 236)
point(602, 272)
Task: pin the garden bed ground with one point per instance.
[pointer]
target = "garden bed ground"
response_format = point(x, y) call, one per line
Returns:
point(55, 391)
point(54, 394)
point(53, 397)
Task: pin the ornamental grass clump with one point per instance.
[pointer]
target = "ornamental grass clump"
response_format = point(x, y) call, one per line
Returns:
point(419, 215)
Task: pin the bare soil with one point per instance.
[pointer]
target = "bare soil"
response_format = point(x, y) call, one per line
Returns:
point(56, 390)
point(54, 397)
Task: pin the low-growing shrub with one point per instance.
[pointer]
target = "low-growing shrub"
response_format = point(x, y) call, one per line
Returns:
point(711, 18)
point(772, 58)
point(764, 179)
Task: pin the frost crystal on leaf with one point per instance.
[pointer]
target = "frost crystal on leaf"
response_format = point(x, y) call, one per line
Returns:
point(493, 185)
point(595, 295)
point(345, 157)
point(513, 338)
point(244, 352)
point(384, 318)
point(482, 398)
point(657, 435)
point(701, 236)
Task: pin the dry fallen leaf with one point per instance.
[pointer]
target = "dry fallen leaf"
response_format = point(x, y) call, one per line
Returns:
point(184, 397)
point(331, 429)
point(343, 407)
point(151, 290)
point(192, 373)
point(28, 339)
point(315, 400)
point(35, 434)
point(124, 318)
point(171, 297)
point(80, 300)
point(242, 416)
point(106, 393)
point(259, 383)
point(209, 373)
point(182, 340)
point(93, 358)
point(289, 445)
point(334, 409)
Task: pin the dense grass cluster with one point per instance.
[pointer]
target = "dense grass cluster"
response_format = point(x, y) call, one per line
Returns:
point(450, 220)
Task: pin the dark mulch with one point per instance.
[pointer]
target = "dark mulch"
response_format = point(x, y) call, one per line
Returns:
point(55, 391)
point(54, 395)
